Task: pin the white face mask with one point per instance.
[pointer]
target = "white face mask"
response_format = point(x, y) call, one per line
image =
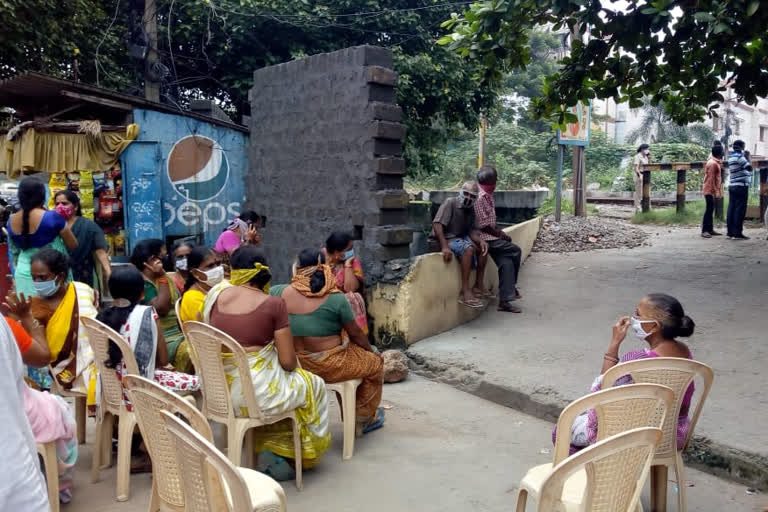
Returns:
point(214, 276)
point(637, 326)
point(181, 263)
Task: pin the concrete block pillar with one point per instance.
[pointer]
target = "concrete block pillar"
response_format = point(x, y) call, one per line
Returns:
point(326, 154)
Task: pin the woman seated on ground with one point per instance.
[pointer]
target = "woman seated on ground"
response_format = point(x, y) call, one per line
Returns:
point(139, 326)
point(49, 415)
point(32, 228)
point(348, 272)
point(161, 293)
point(204, 273)
point(58, 306)
point(328, 340)
point(181, 249)
point(244, 309)
point(658, 320)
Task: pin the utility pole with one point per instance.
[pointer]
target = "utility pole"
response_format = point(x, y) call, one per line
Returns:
point(579, 187)
point(151, 86)
point(481, 146)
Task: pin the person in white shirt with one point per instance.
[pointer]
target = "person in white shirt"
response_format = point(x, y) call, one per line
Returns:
point(22, 485)
point(642, 157)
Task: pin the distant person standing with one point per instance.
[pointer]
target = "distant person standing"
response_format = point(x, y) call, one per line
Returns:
point(506, 254)
point(642, 157)
point(738, 190)
point(712, 189)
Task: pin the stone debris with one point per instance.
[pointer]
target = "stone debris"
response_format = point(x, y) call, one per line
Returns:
point(575, 234)
point(395, 366)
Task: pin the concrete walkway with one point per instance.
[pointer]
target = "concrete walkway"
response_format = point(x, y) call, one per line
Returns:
point(441, 450)
point(542, 359)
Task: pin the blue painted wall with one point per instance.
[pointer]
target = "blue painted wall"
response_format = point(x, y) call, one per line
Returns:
point(182, 177)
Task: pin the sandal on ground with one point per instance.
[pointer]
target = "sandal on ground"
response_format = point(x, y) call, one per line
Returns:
point(483, 294)
point(376, 423)
point(508, 307)
point(275, 466)
point(474, 303)
point(706, 235)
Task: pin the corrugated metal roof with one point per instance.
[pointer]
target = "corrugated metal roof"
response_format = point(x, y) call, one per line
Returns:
point(29, 89)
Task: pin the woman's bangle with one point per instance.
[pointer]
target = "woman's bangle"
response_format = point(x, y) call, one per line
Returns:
point(162, 280)
point(609, 357)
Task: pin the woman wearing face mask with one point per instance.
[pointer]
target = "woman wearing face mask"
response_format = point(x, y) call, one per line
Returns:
point(642, 157)
point(161, 293)
point(340, 255)
point(204, 273)
point(32, 228)
point(181, 249)
point(658, 321)
point(58, 306)
point(91, 242)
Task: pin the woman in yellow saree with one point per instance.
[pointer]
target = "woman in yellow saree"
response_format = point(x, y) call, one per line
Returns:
point(244, 309)
point(58, 306)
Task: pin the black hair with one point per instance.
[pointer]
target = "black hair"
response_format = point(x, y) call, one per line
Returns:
point(31, 195)
point(486, 174)
point(145, 250)
point(72, 198)
point(250, 216)
point(675, 322)
point(181, 242)
point(127, 283)
point(194, 259)
point(308, 258)
point(338, 241)
point(717, 151)
point(643, 147)
point(739, 145)
point(246, 257)
point(57, 262)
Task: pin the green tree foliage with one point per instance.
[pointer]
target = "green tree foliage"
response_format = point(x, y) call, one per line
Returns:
point(677, 52)
point(212, 47)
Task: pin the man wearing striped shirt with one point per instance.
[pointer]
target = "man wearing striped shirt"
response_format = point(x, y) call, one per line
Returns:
point(738, 190)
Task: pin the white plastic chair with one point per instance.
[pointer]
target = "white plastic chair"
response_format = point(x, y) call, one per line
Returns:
point(346, 392)
point(213, 483)
point(677, 374)
point(80, 406)
point(618, 409)
point(48, 452)
point(111, 406)
point(192, 355)
point(148, 399)
point(207, 342)
point(605, 477)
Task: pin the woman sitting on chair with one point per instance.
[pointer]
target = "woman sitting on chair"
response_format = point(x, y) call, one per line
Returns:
point(259, 322)
point(58, 306)
point(204, 272)
point(658, 320)
point(161, 293)
point(328, 340)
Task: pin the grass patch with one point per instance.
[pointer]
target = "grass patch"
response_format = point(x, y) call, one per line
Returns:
point(691, 216)
point(548, 207)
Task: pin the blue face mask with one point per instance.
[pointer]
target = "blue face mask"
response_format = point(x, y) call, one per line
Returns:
point(46, 288)
point(349, 254)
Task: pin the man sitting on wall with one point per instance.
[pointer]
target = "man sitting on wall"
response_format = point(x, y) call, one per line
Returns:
point(453, 232)
point(506, 254)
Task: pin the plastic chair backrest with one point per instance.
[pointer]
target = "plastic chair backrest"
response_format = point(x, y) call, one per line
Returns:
point(618, 410)
point(207, 342)
point(148, 399)
point(616, 470)
point(202, 464)
point(675, 373)
point(99, 335)
point(177, 309)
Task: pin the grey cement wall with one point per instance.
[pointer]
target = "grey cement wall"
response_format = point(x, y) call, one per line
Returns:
point(512, 206)
point(325, 154)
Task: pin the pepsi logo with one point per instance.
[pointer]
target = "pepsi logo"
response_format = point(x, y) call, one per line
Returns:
point(197, 168)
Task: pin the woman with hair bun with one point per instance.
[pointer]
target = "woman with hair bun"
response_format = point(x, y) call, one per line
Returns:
point(658, 320)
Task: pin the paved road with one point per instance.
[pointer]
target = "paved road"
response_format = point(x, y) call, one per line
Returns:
point(441, 450)
point(554, 349)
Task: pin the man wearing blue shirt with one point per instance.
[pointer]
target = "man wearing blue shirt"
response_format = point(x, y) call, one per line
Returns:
point(738, 191)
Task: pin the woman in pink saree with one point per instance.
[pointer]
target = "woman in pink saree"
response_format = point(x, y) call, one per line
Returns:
point(340, 255)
